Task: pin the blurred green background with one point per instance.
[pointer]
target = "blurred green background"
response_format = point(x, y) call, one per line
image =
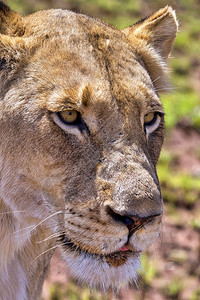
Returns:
point(171, 269)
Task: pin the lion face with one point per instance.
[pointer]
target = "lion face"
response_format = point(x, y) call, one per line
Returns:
point(83, 127)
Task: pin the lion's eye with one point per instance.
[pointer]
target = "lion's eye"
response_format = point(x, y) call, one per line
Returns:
point(149, 118)
point(151, 122)
point(70, 121)
point(68, 116)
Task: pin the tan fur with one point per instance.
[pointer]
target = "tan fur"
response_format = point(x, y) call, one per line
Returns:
point(65, 186)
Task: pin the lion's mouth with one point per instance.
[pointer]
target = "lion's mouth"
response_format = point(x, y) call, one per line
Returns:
point(115, 259)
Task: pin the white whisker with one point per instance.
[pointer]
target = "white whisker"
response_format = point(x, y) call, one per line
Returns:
point(167, 89)
point(54, 235)
point(40, 223)
point(54, 247)
point(156, 79)
point(11, 212)
point(23, 229)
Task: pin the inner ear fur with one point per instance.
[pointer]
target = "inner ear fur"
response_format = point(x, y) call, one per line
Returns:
point(153, 38)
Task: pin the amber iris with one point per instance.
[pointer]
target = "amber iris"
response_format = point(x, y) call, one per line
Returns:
point(149, 118)
point(69, 116)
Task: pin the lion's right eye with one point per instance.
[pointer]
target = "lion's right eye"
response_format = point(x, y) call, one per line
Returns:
point(151, 122)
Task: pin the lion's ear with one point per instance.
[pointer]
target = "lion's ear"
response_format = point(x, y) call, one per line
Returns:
point(153, 38)
point(12, 43)
point(11, 23)
point(11, 50)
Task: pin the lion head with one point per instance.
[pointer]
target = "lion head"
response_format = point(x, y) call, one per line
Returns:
point(82, 127)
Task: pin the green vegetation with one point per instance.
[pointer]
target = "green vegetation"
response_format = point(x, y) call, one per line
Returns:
point(173, 289)
point(149, 270)
point(180, 188)
point(73, 292)
point(177, 188)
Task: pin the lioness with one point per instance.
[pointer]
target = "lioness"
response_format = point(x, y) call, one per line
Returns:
point(81, 127)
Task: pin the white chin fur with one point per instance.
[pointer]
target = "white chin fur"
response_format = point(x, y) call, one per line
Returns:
point(97, 274)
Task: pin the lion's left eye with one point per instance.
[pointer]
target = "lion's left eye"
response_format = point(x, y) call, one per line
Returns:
point(70, 121)
point(151, 122)
point(69, 117)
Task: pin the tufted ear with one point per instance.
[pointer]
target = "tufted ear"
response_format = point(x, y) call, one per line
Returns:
point(11, 47)
point(153, 38)
point(11, 23)
point(12, 44)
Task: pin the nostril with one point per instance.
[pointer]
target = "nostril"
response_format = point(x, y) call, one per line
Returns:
point(117, 217)
point(128, 221)
point(133, 222)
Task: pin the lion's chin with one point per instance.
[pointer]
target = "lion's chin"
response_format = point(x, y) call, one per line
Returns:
point(101, 272)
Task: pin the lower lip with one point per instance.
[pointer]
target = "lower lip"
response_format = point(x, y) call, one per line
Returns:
point(68, 242)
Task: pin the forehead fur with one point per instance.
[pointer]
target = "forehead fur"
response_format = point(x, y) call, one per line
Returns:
point(98, 53)
point(149, 42)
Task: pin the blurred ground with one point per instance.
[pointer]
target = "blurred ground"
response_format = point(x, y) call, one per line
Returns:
point(172, 267)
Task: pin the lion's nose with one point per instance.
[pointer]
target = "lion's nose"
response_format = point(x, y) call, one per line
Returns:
point(133, 222)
